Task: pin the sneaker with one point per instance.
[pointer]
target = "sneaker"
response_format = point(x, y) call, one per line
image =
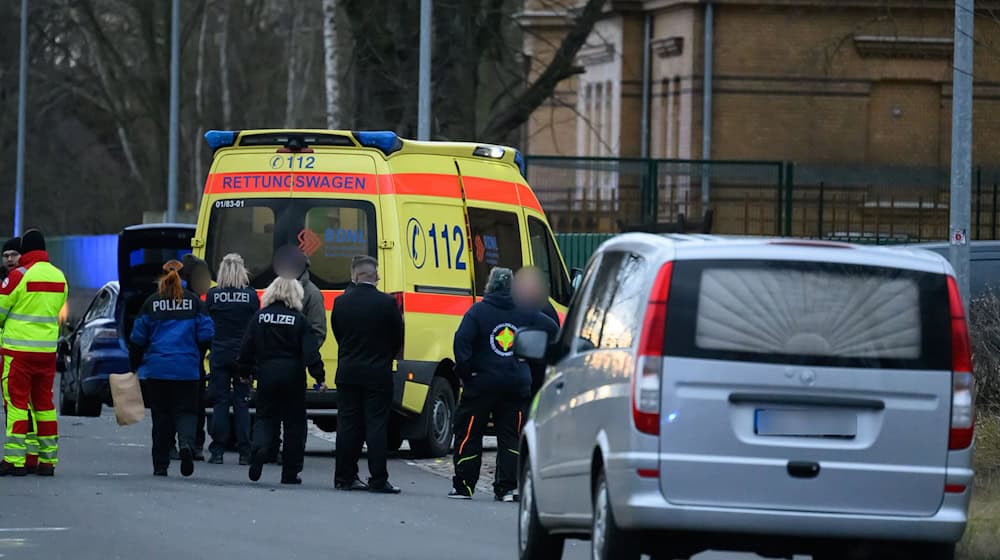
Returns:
point(45, 469)
point(199, 454)
point(187, 462)
point(386, 488)
point(291, 480)
point(216, 459)
point(244, 459)
point(507, 497)
point(353, 486)
point(160, 472)
point(459, 495)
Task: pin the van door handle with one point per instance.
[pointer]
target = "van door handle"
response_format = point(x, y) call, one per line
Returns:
point(559, 385)
point(803, 469)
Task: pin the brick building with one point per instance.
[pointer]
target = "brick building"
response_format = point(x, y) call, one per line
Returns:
point(857, 93)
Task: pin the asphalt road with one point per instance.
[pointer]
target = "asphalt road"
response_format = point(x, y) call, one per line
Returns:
point(105, 504)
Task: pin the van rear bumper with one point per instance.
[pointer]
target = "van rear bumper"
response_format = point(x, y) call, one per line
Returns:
point(643, 507)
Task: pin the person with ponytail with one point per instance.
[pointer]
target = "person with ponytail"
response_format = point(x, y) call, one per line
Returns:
point(231, 304)
point(169, 336)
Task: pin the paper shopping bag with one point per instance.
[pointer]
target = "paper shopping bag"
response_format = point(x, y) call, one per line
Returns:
point(127, 396)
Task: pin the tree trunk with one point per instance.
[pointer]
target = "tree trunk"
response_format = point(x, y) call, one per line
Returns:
point(330, 62)
point(222, 43)
point(292, 61)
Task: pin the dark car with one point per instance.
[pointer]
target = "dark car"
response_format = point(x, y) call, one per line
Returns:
point(984, 265)
point(94, 347)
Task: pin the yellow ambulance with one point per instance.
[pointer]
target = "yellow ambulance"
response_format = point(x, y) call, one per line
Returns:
point(436, 215)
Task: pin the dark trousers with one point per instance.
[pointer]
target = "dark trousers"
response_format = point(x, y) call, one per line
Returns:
point(199, 436)
point(281, 402)
point(362, 416)
point(226, 390)
point(470, 423)
point(173, 406)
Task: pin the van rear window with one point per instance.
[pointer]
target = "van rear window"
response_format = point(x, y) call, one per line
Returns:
point(808, 313)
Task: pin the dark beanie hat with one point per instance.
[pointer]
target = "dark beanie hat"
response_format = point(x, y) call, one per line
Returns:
point(12, 244)
point(32, 240)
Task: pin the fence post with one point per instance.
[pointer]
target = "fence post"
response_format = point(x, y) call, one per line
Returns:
point(979, 200)
point(789, 185)
point(777, 200)
point(819, 224)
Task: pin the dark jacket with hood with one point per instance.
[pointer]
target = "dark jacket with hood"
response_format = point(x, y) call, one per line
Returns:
point(484, 346)
point(231, 310)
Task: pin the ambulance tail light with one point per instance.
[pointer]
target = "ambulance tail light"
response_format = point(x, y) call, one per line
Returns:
point(399, 304)
point(221, 138)
point(649, 367)
point(963, 391)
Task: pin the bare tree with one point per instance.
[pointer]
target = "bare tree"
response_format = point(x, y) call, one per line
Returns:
point(222, 44)
point(330, 75)
point(199, 103)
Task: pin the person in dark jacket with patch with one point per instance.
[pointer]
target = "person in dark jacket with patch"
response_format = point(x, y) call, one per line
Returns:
point(278, 348)
point(231, 304)
point(494, 382)
point(169, 337)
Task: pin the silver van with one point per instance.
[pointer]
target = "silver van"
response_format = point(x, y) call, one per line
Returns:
point(775, 396)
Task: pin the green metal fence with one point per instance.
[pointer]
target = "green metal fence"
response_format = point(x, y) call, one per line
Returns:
point(871, 204)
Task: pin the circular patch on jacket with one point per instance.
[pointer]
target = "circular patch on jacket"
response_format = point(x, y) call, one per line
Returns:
point(502, 339)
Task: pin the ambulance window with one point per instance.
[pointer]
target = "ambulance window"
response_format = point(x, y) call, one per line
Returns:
point(332, 235)
point(247, 228)
point(543, 250)
point(496, 241)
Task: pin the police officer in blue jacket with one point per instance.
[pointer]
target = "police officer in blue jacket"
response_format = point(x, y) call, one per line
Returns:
point(277, 349)
point(231, 304)
point(494, 383)
point(168, 339)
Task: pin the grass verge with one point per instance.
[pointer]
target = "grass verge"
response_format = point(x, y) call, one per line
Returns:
point(982, 537)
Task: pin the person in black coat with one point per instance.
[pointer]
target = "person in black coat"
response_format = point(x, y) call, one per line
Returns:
point(368, 327)
point(231, 305)
point(494, 382)
point(531, 292)
point(278, 348)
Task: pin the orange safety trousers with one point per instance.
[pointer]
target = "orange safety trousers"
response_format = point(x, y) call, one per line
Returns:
point(28, 379)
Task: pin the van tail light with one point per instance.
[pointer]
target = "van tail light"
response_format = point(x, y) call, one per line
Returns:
point(649, 367)
point(963, 386)
point(399, 304)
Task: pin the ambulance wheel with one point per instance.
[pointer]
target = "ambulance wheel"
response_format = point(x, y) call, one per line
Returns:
point(326, 423)
point(394, 433)
point(439, 417)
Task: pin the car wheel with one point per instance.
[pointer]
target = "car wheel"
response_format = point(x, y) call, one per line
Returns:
point(608, 541)
point(439, 416)
point(67, 405)
point(534, 542)
point(88, 406)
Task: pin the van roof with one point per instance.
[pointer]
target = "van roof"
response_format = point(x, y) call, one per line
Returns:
point(690, 247)
point(385, 142)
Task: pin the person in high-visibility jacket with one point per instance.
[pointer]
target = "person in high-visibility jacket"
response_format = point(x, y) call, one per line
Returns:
point(31, 298)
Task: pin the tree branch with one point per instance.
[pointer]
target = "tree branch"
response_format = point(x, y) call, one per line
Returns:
point(562, 66)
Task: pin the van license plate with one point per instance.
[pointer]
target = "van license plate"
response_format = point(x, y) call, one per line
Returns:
point(829, 423)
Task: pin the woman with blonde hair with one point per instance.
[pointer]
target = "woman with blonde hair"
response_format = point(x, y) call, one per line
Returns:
point(277, 349)
point(166, 345)
point(231, 304)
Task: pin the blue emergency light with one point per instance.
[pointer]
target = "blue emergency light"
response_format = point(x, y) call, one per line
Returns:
point(220, 138)
point(519, 161)
point(385, 141)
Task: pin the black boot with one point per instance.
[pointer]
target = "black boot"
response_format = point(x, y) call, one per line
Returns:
point(7, 469)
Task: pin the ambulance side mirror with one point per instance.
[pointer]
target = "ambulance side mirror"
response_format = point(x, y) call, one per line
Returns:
point(531, 344)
